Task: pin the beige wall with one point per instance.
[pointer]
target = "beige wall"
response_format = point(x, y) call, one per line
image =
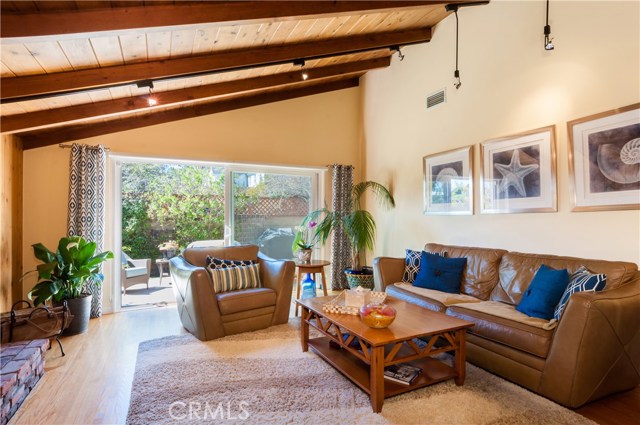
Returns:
point(509, 85)
point(311, 131)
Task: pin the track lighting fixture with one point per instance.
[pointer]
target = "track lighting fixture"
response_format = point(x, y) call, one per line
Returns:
point(400, 54)
point(304, 74)
point(548, 41)
point(454, 8)
point(151, 100)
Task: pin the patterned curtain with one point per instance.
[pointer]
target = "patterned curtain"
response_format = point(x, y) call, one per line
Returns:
point(86, 204)
point(342, 184)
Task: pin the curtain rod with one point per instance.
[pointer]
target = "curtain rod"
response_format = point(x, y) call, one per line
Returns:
point(63, 146)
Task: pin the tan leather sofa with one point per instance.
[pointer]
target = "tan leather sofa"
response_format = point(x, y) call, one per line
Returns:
point(593, 351)
point(208, 315)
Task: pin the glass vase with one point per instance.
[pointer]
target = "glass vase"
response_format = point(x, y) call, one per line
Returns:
point(308, 287)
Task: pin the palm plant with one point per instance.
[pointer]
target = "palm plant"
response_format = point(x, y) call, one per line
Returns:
point(358, 225)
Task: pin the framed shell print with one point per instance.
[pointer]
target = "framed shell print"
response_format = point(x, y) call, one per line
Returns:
point(519, 173)
point(604, 160)
point(448, 182)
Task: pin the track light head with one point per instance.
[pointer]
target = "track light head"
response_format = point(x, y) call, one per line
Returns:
point(548, 41)
point(455, 6)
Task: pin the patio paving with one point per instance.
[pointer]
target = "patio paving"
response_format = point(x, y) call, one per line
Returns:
point(156, 294)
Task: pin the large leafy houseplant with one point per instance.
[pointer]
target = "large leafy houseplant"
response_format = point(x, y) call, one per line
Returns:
point(63, 273)
point(358, 225)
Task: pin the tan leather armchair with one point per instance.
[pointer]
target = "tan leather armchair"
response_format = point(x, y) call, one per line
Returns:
point(208, 315)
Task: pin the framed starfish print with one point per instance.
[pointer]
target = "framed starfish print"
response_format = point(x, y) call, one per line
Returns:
point(519, 173)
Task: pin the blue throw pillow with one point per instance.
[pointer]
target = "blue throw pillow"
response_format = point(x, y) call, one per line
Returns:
point(544, 293)
point(580, 281)
point(412, 264)
point(440, 273)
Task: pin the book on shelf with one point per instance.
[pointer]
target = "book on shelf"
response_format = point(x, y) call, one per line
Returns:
point(402, 373)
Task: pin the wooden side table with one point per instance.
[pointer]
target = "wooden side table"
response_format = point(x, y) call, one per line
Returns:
point(312, 267)
point(161, 262)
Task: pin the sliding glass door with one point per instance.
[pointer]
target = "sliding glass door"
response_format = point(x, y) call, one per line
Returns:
point(266, 206)
point(161, 206)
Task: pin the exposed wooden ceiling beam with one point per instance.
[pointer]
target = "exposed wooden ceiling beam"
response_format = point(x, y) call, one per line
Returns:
point(41, 119)
point(65, 134)
point(56, 22)
point(17, 87)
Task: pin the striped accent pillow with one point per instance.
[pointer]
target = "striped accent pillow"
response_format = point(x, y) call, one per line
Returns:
point(234, 278)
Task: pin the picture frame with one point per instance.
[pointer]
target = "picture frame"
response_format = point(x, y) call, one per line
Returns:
point(604, 160)
point(448, 182)
point(518, 173)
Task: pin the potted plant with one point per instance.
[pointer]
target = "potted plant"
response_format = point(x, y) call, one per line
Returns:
point(169, 249)
point(358, 225)
point(62, 276)
point(304, 241)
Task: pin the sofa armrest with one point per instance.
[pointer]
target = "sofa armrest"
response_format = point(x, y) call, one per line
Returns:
point(278, 275)
point(596, 347)
point(196, 300)
point(387, 271)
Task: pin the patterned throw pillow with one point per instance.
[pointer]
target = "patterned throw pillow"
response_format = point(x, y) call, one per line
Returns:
point(580, 281)
point(227, 279)
point(219, 263)
point(412, 264)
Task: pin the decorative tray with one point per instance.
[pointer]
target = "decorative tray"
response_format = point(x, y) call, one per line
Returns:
point(338, 306)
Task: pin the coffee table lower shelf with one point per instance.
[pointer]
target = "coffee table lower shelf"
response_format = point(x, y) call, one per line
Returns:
point(433, 370)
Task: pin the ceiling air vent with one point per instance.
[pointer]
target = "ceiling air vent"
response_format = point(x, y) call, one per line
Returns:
point(437, 98)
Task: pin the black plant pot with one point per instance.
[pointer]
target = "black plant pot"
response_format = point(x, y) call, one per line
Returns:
point(80, 308)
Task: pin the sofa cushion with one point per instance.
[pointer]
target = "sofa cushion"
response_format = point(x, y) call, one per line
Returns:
point(440, 273)
point(517, 271)
point(135, 271)
point(543, 294)
point(246, 299)
point(480, 276)
point(234, 278)
point(501, 323)
point(443, 298)
point(403, 294)
point(581, 281)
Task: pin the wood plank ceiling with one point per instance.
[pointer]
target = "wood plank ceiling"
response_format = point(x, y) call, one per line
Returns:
point(72, 69)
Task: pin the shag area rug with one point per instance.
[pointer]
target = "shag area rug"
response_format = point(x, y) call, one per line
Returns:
point(264, 377)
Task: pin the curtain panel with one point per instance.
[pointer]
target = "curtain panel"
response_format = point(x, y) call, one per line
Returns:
point(342, 185)
point(86, 214)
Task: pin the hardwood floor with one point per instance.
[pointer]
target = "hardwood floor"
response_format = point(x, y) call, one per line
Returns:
point(92, 383)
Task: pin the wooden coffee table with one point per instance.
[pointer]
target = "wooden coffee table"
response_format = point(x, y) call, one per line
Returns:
point(378, 348)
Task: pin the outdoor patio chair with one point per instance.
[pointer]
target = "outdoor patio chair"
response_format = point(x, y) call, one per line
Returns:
point(135, 271)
